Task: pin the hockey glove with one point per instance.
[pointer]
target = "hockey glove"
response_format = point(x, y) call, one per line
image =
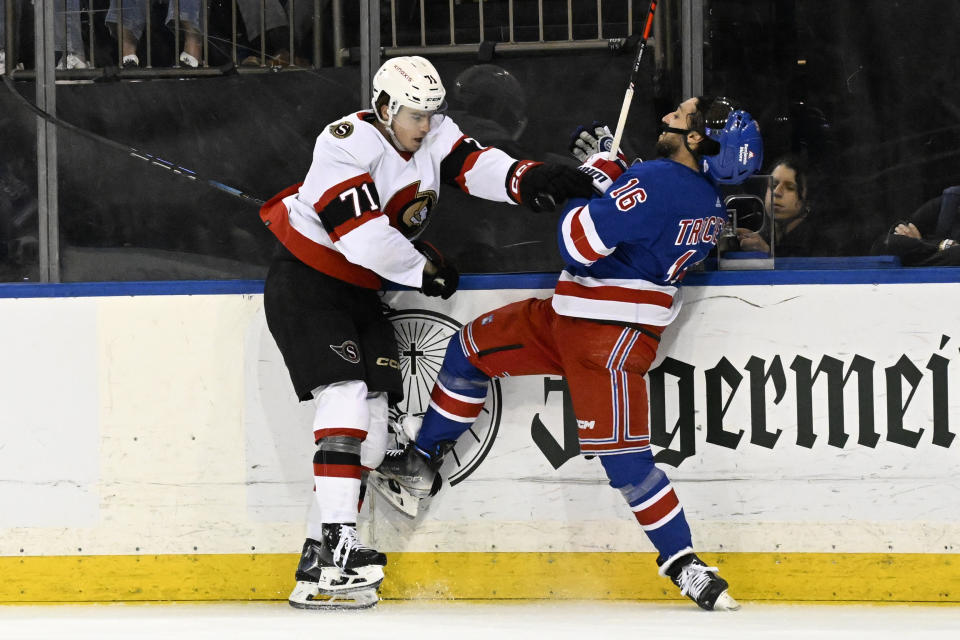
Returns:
point(444, 281)
point(541, 185)
point(603, 172)
point(588, 141)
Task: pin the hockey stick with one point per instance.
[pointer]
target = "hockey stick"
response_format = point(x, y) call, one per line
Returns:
point(178, 170)
point(628, 96)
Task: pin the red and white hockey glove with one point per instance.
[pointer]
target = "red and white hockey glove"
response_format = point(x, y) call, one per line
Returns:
point(587, 141)
point(603, 172)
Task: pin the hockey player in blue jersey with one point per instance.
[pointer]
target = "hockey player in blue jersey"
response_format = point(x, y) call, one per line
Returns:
point(626, 250)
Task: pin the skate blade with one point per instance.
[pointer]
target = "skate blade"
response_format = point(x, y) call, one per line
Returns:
point(726, 603)
point(306, 595)
point(401, 499)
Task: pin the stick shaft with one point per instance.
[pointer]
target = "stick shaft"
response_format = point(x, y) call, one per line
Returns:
point(151, 159)
point(621, 123)
point(634, 73)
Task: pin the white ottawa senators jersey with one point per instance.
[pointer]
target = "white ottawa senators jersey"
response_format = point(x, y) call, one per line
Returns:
point(363, 200)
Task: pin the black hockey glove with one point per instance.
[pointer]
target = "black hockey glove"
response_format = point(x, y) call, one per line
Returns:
point(542, 185)
point(444, 282)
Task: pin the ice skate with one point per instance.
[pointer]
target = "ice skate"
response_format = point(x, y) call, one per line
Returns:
point(408, 473)
point(406, 476)
point(338, 572)
point(698, 582)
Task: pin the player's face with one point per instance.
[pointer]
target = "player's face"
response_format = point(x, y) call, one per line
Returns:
point(784, 196)
point(669, 143)
point(411, 126)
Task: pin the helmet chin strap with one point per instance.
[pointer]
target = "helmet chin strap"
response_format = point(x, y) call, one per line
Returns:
point(394, 140)
point(388, 125)
point(683, 132)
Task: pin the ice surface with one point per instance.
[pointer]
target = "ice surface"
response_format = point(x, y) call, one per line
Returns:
point(459, 620)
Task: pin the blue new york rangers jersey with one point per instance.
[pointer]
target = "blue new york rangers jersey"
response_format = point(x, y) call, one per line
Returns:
point(627, 250)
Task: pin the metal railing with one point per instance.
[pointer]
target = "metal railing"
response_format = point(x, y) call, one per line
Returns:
point(454, 27)
point(556, 13)
point(83, 54)
point(427, 27)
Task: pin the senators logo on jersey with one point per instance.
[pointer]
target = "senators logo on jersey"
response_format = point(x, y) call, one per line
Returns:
point(349, 351)
point(341, 129)
point(409, 208)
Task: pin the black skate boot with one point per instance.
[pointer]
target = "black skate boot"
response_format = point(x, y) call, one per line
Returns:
point(409, 474)
point(697, 581)
point(338, 572)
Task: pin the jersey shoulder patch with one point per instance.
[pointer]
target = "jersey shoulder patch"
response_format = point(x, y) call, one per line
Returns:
point(351, 140)
point(341, 129)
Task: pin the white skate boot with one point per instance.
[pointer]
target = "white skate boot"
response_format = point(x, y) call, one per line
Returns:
point(697, 581)
point(338, 572)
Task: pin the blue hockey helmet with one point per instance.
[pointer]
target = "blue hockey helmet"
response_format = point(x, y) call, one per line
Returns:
point(741, 149)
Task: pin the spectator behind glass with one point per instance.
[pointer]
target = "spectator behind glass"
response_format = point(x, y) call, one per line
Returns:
point(71, 56)
point(931, 237)
point(17, 9)
point(66, 13)
point(799, 229)
point(135, 19)
point(277, 30)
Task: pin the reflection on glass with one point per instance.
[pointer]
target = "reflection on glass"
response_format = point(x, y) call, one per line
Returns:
point(746, 241)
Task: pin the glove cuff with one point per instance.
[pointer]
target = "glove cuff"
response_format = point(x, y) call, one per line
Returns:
point(515, 177)
point(603, 172)
point(429, 251)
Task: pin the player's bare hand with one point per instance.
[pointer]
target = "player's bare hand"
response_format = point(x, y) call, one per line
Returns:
point(907, 229)
point(752, 241)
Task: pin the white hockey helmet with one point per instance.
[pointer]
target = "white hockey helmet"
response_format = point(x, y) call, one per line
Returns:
point(409, 81)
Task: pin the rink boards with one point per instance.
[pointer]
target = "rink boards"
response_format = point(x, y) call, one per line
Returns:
point(152, 449)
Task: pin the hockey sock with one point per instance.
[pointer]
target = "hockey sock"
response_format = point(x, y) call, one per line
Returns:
point(314, 523)
point(456, 400)
point(339, 427)
point(337, 472)
point(363, 490)
point(648, 492)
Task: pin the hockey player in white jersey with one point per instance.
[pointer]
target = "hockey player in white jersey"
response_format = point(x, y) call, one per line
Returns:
point(352, 223)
